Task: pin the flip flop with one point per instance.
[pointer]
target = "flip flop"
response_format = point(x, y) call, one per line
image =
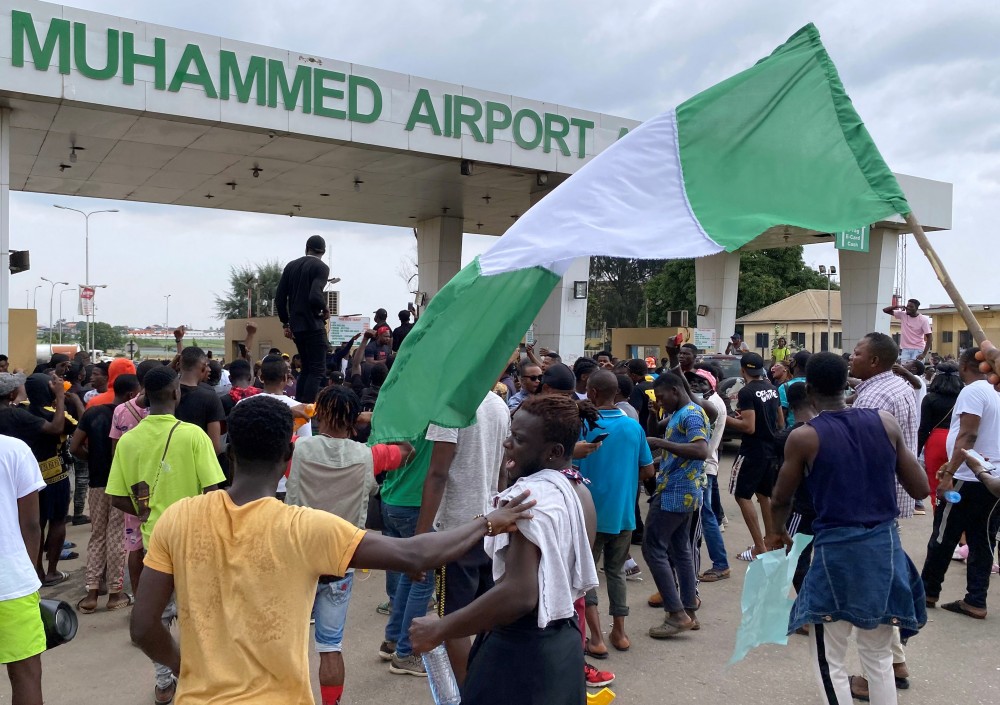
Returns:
point(68, 555)
point(63, 576)
point(959, 607)
point(620, 648)
point(84, 610)
point(594, 654)
point(127, 602)
point(747, 555)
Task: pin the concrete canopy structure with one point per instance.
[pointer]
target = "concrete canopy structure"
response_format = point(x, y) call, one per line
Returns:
point(101, 106)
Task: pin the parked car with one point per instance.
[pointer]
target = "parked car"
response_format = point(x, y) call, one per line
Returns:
point(730, 386)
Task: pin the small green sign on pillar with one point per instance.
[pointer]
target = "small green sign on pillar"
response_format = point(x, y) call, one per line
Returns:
point(853, 240)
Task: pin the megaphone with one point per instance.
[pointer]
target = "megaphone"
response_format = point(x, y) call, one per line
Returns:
point(60, 622)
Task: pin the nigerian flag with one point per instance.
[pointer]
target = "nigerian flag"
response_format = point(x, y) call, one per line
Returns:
point(778, 144)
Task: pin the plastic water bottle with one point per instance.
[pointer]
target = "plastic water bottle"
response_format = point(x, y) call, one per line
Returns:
point(444, 687)
point(952, 497)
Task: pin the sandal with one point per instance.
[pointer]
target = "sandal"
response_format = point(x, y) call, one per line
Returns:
point(121, 604)
point(670, 628)
point(599, 655)
point(959, 607)
point(86, 610)
point(748, 555)
point(63, 576)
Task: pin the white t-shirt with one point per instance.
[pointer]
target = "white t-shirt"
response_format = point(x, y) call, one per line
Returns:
point(475, 470)
point(19, 477)
point(305, 430)
point(980, 399)
point(712, 462)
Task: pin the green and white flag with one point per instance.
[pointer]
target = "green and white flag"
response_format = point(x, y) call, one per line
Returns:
point(778, 144)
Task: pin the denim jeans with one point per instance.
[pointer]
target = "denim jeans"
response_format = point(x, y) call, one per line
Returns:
point(81, 481)
point(710, 527)
point(410, 600)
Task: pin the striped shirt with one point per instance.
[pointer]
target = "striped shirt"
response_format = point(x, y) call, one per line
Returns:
point(889, 392)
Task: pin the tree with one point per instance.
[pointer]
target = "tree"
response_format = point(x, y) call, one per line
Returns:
point(264, 285)
point(616, 290)
point(105, 337)
point(766, 276)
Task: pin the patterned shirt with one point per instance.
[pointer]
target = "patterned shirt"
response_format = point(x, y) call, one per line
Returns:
point(679, 481)
point(888, 391)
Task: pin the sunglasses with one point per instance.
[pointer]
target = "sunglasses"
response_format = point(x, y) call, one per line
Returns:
point(535, 378)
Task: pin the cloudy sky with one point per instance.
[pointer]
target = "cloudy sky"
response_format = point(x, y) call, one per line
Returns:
point(924, 76)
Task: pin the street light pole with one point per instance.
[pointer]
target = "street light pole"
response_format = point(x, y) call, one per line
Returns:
point(166, 321)
point(34, 298)
point(52, 296)
point(61, 314)
point(829, 274)
point(86, 258)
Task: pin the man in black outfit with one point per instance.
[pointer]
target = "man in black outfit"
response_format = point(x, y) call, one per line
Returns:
point(404, 329)
point(303, 314)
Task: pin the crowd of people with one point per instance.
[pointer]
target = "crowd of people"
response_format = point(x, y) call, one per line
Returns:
point(240, 498)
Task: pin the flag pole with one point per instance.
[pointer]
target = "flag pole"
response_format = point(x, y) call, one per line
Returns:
point(949, 286)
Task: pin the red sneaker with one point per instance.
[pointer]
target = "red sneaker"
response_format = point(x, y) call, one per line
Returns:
point(595, 678)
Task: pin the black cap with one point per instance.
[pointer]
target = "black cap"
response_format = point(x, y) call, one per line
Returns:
point(316, 243)
point(559, 377)
point(799, 360)
point(753, 364)
point(381, 314)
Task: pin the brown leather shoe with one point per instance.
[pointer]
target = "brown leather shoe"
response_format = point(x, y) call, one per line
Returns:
point(655, 600)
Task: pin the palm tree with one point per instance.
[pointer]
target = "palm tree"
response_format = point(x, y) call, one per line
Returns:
point(262, 279)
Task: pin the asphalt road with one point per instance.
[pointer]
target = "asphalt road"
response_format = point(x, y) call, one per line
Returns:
point(954, 660)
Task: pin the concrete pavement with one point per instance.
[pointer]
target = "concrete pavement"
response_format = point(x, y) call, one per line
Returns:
point(954, 659)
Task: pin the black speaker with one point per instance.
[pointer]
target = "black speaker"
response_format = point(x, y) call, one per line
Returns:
point(60, 622)
point(19, 261)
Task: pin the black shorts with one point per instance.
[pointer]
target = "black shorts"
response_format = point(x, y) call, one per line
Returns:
point(462, 581)
point(754, 472)
point(53, 501)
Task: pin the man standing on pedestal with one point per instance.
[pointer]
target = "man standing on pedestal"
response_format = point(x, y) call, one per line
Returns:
point(915, 331)
point(303, 313)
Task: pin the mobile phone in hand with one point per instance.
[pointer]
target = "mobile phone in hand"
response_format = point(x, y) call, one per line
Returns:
point(987, 465)
point(599, 438)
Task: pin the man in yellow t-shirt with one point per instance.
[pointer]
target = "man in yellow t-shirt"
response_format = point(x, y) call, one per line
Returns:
point(156, 464)
point(245, 568)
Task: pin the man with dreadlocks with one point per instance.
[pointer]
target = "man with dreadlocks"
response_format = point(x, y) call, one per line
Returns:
point(334, 473)
point(528, 624)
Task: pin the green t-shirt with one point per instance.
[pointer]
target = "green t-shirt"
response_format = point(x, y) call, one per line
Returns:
point(405, 487)
point(189, 466)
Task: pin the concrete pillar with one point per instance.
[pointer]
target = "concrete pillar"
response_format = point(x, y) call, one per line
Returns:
point(561, 325)
point(717, 285)
point(866, 282)
point(4, 230)
point(439, 252)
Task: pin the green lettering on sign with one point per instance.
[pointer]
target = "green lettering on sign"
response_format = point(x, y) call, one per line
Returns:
point(322, 91)
point(856, 240)
point(423, 112)
point(532, 116)
point(493, 122)
point(229, 71)
point(158, 61)
point(278, 79)
point(559, 136)
point(110, 69)
point(23, 28)
point(468, 119)
point(583, 126)
point(192, 55)
point(355, 82)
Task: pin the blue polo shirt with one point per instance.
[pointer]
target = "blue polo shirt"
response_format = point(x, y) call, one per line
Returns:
point(613, 470)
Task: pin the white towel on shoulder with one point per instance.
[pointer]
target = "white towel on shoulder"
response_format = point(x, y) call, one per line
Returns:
point(566, 569)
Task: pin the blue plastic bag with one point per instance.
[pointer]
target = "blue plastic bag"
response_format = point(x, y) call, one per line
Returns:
point(766, 603)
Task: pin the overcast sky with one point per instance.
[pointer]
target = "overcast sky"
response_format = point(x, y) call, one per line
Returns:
point(925, 77)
